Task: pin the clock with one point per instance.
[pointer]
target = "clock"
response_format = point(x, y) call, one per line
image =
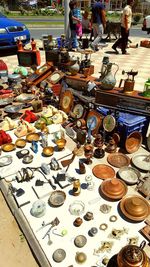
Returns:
point(66, 101)
point(80, 123)
point(109, 123)
point(78, 111)
point(94, 120)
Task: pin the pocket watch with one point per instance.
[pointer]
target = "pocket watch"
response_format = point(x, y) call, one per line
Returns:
point(80, 123)
point(109, 123)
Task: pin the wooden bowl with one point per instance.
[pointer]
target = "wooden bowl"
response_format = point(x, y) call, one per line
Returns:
point(61, 143)
point(48, 151)
point(20, 143)
point(113, 188)
point(133, 142)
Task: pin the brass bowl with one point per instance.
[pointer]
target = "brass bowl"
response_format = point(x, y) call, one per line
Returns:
point(133, 142)
point(113, 188)
point(48, 151)
point(8, 147)
point(60, 143)
point(33, 137)
point(57, 198)
point(135, 208)
point(20, 143)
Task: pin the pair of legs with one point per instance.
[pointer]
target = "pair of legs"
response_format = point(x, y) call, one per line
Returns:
point(122, 42)
point(73, 40)
point(97, 32)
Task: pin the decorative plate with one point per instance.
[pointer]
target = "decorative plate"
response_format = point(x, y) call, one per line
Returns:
point(78, 110)
point(57, 198)
point(129, 175)
point(133, 142)
point(142, 162)
point(66, 101)
point(109, 123)
point(24, 97)
point(5, 160)
point(13, 108)
point(33, 137)
point(94, 120)
point(135, 208)
point(118, 160)
point(8, 147)
point(77, 208)
point(103, 171)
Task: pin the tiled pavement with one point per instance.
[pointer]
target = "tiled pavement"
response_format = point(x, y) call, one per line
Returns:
point(138, 60)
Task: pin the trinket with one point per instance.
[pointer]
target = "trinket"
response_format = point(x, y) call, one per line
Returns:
point(82, 169)
point(54, 164)
point(113, 218)
point(93, 231)
point(76, 187)
point(27, 159)
point(77, 208)
point(105, 247)
point(88, 153)
point(88, 216)
point(80, 257)
point(104, 208)
point(38, 208)
point(45, 168)
point(78, 221)
point(80, 241)
point(44, 140)
point(34, 147)
point(117, 233)
point(89, 182)
point(103, 226)
point(59, 255)
point(25, 174)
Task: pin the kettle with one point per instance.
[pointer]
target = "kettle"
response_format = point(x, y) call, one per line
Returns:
point(108, 81)
point(133, 256)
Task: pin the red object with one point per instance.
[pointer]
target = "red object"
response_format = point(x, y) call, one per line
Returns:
point(56, 88)
point(29, 116)
point(3, 65)
point(4, 138)
point(5, 91)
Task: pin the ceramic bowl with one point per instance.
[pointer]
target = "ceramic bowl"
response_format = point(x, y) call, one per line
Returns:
point(20, 143)
point(57, 198)
point(113, 188)
point(48, 151)
point(60, 143)
point(133, 142)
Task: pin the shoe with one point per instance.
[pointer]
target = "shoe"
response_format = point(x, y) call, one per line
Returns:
point(114, 48)
point(125, 53)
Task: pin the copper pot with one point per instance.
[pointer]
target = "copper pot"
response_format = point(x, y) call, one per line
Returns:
point(133, 256)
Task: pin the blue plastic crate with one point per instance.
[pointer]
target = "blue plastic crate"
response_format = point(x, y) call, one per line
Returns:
point(128, 123)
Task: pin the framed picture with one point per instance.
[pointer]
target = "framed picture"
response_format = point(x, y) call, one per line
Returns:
point(66, 101)
point(93, 121)
point(55, 77)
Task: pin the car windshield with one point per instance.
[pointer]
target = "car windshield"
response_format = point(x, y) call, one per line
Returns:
point(2, 16)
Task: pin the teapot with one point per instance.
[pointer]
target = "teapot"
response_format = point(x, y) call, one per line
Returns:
point(108, 81)
point(132, 255)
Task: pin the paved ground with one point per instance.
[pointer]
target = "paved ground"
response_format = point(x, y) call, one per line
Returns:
point(14, 251)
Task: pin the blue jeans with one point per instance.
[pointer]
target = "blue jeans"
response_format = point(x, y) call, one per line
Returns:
point(97, 32)
point(74, 41)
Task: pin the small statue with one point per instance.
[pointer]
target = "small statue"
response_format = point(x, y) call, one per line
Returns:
point(98, 142)
point(111, 147)
point(33, 45)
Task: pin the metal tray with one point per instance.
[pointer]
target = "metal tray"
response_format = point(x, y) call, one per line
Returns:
point(142, 161)
point(118, 160)
point(129, 175)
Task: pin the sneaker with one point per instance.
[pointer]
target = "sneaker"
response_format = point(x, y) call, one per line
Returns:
point(114, 48)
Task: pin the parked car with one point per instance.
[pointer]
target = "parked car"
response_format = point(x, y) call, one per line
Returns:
point(146, 24)
point(50, 9)
point(11, 31)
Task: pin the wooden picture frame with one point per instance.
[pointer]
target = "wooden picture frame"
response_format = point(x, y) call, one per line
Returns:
point(94, 120)
point(66, 101)
point(55, 77)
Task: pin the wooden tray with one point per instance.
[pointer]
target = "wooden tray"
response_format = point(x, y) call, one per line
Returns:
point(103, 171)
point(118, 160)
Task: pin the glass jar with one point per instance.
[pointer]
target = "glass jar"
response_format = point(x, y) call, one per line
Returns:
point(89, 182)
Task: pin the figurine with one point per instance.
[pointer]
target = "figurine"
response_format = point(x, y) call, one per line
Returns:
point(98, 142)
point(88, 152)
point(111, 147)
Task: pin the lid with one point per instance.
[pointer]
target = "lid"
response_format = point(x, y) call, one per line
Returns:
point(133, 142)
point(135, 207)
point(113, 188)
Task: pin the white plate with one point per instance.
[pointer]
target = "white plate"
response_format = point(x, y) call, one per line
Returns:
point(6, 160)
point(142, 162)
point(129, 175)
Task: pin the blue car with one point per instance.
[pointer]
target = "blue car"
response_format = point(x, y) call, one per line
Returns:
point(11, 31)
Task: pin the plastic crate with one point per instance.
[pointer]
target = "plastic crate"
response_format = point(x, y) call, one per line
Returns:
point(128, 123)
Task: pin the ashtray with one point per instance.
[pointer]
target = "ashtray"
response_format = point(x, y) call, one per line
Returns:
point(20, 143)
point(57, 198)
point(133, 142)
point(33, 137)
point(77, 208)
point(129, 175)
point(48, 151)
point(27, 159)
point(5, 160)
point(8, 147)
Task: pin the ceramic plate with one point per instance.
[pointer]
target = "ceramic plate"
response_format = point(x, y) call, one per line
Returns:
point(6, 160)
point(57, 198)
point(129, 175)
point(142, 162)
point(24, 97)
point(103, 171)
point(12, 108)
point(118, 160)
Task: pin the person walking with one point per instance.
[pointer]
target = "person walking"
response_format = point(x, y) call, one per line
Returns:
point(98, 23)
point(126, 20)
point(73, 21)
